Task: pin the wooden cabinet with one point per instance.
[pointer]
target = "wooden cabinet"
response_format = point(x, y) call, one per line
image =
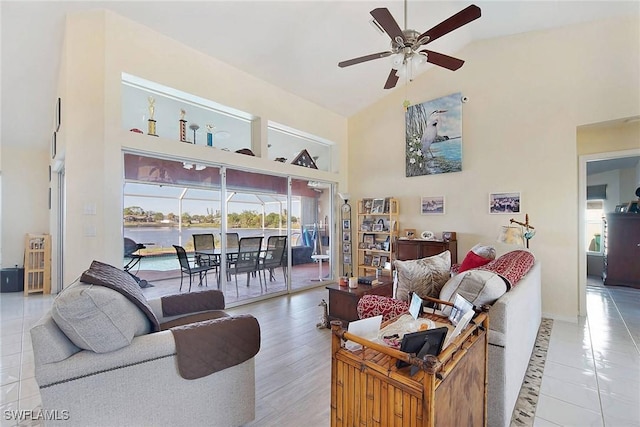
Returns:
point(377, 233)
point(418, 248)
point(368, 389)
point(343, 300)
point(622, 250)
point(37, 264)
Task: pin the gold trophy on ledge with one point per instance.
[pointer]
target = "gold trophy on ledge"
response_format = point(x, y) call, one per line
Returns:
point(183, 126)
point(152, 122)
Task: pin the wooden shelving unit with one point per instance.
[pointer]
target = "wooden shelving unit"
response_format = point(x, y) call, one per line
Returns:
point(37, 264)
point(377, 234)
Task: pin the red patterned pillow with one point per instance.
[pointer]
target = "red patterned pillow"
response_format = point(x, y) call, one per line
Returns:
point(512, 266)
point(374, 305)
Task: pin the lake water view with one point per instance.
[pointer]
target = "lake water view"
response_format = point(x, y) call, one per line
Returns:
point(155, 238)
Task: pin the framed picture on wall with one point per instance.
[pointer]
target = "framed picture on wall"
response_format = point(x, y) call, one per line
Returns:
point(346, 224)
point(505, 203)
point(432, 205)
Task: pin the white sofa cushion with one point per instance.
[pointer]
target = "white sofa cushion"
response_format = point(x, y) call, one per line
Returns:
point(97, 318)
point(50, 344)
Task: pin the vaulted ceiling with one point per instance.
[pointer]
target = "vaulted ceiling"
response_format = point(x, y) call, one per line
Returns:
point(295, 45)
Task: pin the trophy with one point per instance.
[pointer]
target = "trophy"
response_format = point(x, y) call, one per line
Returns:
point(152, 123)
point(183, 126)
point(210, 129)
point(194, 127)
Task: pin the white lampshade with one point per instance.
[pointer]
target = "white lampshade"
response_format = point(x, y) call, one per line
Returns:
point(511, 236)
point(397, 60)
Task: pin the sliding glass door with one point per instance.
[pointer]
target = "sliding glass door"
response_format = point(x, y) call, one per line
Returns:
point(166, 202)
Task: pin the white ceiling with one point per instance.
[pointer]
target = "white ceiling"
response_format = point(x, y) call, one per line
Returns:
point(295, 45)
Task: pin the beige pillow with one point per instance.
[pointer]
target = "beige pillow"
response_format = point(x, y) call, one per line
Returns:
point(479, 287)
point(425, 276)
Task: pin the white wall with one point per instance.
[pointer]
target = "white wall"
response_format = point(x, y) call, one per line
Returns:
point(25, 199)
point(528, 94)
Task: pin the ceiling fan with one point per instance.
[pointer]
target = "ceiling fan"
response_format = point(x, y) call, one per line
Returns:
point(405, 44)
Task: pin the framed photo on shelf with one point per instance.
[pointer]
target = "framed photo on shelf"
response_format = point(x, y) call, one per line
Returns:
point(377, 206)
point(377, 227)
point(366, 205)
point(432, 205)
point(346, 224)
point(369, 239)
point(366, 226)
point(409, 233)
point(505, 203)
point(346, 248)
point(375, 261)
point(346, 236)
point(367, 260)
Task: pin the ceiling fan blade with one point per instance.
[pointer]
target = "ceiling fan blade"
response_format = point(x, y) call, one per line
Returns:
point(461, 18)
point(391, 80)
point(365, 58)
point(387, 22)
point(443, 60)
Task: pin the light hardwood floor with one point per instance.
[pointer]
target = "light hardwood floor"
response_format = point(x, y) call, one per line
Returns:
point(293, 367)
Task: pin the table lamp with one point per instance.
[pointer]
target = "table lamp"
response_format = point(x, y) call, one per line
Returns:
point(520, 236)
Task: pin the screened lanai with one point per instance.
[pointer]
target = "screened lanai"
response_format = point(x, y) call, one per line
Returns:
point(166, 203)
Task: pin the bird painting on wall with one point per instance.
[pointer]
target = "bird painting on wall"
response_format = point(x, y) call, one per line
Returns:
point(430, 134)
point(433, 136)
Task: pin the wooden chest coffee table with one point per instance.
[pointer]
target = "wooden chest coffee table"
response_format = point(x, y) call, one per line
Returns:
point(368, 390)
point(343, 300)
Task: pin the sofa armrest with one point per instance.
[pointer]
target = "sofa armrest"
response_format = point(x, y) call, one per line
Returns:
point(143, 349)
point(170, 306)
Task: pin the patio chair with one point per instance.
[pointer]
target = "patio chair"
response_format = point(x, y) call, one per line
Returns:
point(186, 268)
point(204, 246)
point(273, 257)
point(232, 246)
point(248, 259)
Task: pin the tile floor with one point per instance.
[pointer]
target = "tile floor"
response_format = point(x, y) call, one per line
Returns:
point(591, 376)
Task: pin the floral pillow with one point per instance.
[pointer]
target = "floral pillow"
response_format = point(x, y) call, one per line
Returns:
point(425, 276)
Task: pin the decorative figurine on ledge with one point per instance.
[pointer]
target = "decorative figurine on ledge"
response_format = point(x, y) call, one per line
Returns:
point(151, 121)
point(210, 129)
point(183, 126)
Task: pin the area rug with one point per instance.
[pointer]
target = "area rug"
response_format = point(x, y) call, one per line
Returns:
point(525, 409)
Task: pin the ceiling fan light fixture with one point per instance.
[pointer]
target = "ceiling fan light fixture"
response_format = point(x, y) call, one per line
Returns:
point(397, 60)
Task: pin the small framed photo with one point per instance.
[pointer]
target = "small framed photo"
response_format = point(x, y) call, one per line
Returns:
point(367, 260)
point(346, 248)
point(346, 236)
point(377, 227)
point(346, 224)
point(375, 261)
point(409, 233)
point(505, 203)
point(346, 259)
point(369, 239)
point(377, 206)
point(432, 205)
point(366, 206)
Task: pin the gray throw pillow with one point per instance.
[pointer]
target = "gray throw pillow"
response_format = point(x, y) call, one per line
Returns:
point(425, 276)
point(97, 318)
